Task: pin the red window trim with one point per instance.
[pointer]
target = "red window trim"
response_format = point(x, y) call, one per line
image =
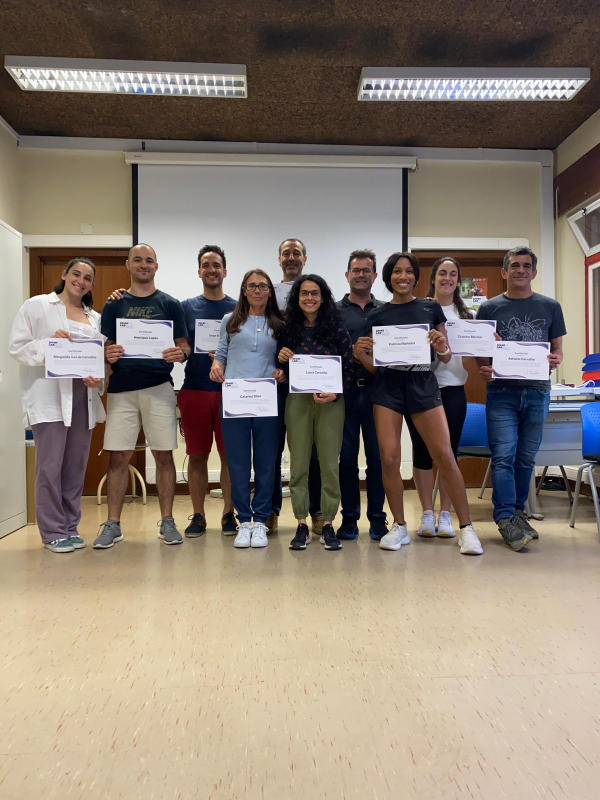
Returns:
point(588, 263)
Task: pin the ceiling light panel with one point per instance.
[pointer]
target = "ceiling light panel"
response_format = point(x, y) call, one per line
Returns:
point(470, 85)
point(105, 76)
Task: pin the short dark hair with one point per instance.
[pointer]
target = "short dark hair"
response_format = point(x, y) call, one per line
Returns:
point(363, 254)
point(141, 244)
point(520, 251)
point(212, 248)
point(294, 239)
point(389, 265)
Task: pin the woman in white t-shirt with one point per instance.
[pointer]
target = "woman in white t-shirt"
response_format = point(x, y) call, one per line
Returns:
point(452, 376)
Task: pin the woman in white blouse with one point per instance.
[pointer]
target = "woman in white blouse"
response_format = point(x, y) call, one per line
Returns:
point(62, 412)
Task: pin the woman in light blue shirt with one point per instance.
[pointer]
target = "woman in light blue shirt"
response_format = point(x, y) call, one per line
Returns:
point(247, 349)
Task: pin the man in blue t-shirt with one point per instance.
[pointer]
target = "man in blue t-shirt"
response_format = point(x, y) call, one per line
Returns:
point(140, 391)
point(199, 398)
point(516, 409)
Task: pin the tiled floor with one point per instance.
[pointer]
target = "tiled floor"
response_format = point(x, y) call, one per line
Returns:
point(206, 672)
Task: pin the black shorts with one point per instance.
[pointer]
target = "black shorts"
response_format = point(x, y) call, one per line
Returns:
point(455, 406)
point(406, 392)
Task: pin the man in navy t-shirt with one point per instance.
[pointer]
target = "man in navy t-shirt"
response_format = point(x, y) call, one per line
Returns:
point(199, 398)
point(516, 409)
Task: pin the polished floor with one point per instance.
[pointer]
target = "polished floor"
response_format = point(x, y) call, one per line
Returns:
point(201, 671)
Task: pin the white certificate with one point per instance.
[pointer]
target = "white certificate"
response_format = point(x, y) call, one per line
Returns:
point(207, 335)
point(250, 397)
point(282, 291)
point(319, 374)
point(521, 361)
point(144, 338)
point(401, 344)
point(471, 337)
point(81, 358)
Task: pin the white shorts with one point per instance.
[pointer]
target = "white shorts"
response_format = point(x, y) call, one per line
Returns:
point(153, 408)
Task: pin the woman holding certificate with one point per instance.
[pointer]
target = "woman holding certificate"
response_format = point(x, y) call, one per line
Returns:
point(246, 363)
point(62, 411)
point(407, 334)
point(451, 376)
point(317, 351)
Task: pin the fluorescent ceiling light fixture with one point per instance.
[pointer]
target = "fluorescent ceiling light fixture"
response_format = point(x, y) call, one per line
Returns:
point(466, 84)
point(105, 76)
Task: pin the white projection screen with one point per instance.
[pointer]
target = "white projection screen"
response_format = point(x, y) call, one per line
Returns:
point(249, 210)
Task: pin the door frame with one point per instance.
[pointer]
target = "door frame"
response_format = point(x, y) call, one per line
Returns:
point(36, 255)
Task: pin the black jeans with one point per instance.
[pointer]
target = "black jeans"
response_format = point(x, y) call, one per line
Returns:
point(455, 406)
point(359, 415)
point(314, 472)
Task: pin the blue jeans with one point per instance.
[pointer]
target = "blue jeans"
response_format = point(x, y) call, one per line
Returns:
point(314, 471)
point(251, 441)
point(359, 414)
point(515, 423)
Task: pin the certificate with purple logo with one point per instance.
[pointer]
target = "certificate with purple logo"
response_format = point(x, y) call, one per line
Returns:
point(471, 337)
point(520, 361)
point(320, 374)
point(250, 397)
point(80, 358)
point(401, 344)
point(144, 338)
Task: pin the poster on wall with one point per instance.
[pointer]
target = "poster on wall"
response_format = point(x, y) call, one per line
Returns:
point(474, 291)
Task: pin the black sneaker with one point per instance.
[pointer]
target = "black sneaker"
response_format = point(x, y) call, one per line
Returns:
point(196, 527)
point(229, 523)
point(301, 539)
point(513, 535)
point(378, 528)
point(348, 529)
point(329, 539)
point(521, 520)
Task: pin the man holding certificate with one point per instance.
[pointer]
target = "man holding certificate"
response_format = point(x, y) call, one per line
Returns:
point(199, 398)
point(146, 334)
point(530, 327)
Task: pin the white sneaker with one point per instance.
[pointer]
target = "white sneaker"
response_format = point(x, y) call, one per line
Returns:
point(259, 535)
point(394, 540)
point(469, 543)
point(427, 526)
point(444, 526)
point(244, 535)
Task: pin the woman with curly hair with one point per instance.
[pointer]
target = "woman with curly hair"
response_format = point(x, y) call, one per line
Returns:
point(313, 326)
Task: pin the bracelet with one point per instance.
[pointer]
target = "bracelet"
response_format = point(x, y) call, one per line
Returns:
point(185, 356)
point(446, 351)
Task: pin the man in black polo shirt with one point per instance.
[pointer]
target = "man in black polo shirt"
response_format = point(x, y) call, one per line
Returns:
point(356, 308)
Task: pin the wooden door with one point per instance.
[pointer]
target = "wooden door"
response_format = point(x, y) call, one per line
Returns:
point(45, 268)
point(474, 264)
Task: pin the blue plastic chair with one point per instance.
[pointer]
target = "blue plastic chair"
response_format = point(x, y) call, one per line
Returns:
point(590, 450)
point(473, 442)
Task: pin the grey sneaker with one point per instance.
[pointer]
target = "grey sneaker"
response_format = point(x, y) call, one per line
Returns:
point(168, 531)
point(77, 542)
point(521, 520)
point(110, 532)
point(514, 536)
point(60, 546)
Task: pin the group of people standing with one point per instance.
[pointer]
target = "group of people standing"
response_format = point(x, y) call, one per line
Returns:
point(259, 333)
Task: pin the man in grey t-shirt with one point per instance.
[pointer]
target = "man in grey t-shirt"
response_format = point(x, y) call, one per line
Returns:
point(516, 409)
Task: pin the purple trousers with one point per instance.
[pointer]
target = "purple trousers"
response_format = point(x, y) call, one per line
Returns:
point(61, 461)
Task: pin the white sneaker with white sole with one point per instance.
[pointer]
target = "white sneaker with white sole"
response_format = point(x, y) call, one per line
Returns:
point(469, 543)
point(244, 535)
point(259, 535)
point(444, 526)
point(394, 540)
point(427, 526)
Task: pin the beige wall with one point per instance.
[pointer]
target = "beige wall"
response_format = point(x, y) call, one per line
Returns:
point(9, 179)
point(63, 188)
point(475, 199)
point(578, 143)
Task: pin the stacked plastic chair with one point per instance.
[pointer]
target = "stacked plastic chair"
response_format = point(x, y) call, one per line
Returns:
point(591, 368)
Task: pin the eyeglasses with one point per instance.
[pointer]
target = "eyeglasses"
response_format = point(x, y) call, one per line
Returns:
point(365, 271)
point(304, 293)
point(257, 287)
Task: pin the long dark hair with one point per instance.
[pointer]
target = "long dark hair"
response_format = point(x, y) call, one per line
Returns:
point(326, 324)
point(87, 299)
point(463, 311)
point(241, 312)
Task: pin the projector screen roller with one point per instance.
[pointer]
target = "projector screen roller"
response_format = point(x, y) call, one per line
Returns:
point(249, 211)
